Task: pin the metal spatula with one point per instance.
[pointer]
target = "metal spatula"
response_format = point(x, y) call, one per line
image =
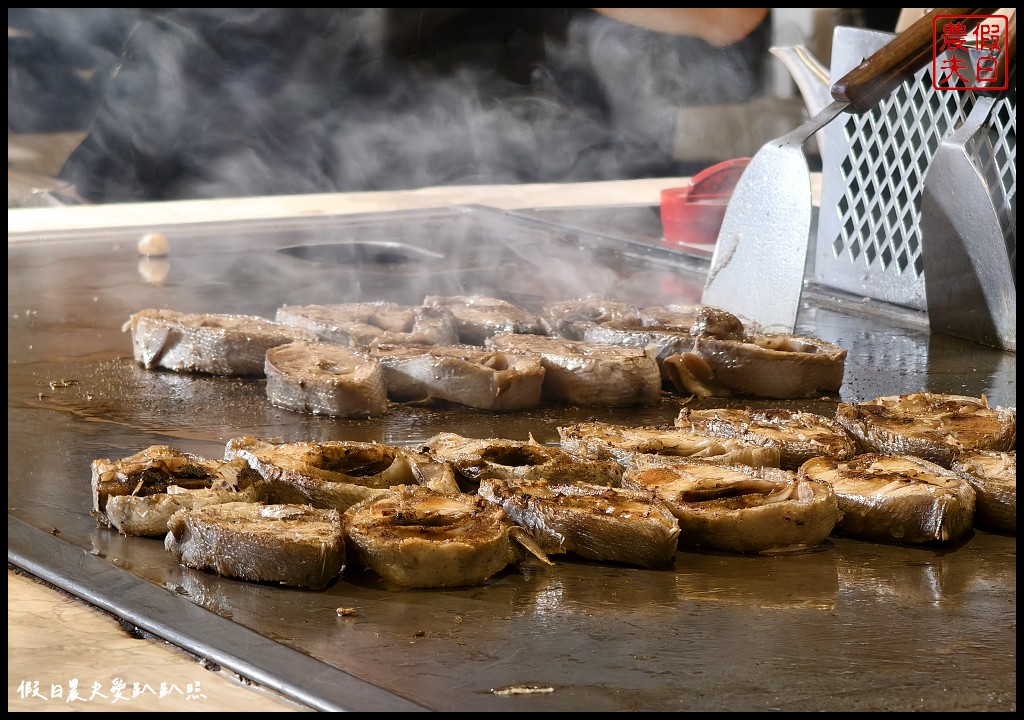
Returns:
point(968, 220)
point(757, 270)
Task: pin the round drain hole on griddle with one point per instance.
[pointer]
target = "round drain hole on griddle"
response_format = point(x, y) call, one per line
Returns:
point(376, 254)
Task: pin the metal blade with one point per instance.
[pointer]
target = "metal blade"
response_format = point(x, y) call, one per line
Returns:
point(970, 281)
point(757, 270)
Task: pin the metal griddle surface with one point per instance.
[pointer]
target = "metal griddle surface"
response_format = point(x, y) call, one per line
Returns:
point(855, 626)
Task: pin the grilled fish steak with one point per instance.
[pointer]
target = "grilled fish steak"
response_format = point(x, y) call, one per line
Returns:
point(771, 366)
point(324, 378)
point(583, 373)
point(417, 538)
point(474, 460)
point(147, 515)
point(703, 320)
point(623, 444)
point(739, 508)
point(799, 436)
point(463, 374)
point(478, 317)
point(895, 498)
point(149, 472)
point(569, 319)
point(293, 545)
point(668, 330)
point(363, 324)
point(934, 426)
point(598, 523)
point(665, 342)
point(993, 475)
point(333, 474)
point(234, 345)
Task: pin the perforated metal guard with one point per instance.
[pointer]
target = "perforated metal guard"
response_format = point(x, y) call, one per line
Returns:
point(873, 170)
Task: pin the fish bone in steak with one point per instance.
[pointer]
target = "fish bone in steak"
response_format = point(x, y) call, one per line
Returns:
point(417, 538)
point(478, 317)
point(739, 508)
point(468, 375)
point(993, 475)
point(363, 324)
point(582, 373)
point(934, 426)
point(233, 345)
point(608, 524)
point(904, 499)
point(293, 545)
point(324, 378)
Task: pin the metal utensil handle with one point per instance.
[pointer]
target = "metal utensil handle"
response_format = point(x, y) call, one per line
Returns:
point(877, 76)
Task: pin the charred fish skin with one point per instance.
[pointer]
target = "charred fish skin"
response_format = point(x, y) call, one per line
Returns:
point(626, 445)
point(291, 545)
point(934, 426)
point(364, 324)
point(214, 344)
point(326, 475)
point(761, 365)
point(582, 373)
point(993, 475)
point(414, 537)
point(147, 515)
point(742, 509)
point(468, 375)
point(478, 317)
point(476, 459)
point(895, 498)
point(797, 435)
point(605, 524)
point(322, 378)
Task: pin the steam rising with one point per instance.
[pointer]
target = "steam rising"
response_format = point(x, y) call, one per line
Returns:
point(229, 102)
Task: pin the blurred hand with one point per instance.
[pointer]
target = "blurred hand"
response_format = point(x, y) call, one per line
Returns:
point(717, 26)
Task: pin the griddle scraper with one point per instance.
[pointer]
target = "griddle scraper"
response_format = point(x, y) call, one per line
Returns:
point(968, 239)
point(758, 267)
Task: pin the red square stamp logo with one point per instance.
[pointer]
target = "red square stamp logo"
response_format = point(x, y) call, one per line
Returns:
point(982, 38)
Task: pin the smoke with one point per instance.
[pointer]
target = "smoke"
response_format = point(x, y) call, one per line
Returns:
point(228, 102)
point(213, 103)
point(57, 61)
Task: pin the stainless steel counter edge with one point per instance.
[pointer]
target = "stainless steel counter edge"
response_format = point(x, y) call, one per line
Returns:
point(157, 611)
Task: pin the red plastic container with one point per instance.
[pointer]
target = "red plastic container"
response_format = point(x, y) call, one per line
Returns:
point(691, 216)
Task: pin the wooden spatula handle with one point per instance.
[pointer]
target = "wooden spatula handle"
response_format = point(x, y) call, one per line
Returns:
point(879, 75)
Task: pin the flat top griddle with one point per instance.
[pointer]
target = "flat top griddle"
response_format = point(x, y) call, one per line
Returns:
point(855, 626)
